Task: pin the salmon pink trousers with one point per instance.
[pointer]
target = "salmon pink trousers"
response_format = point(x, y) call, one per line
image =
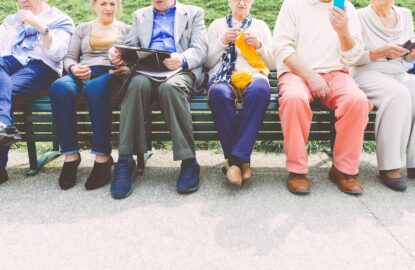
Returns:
point(351, 108)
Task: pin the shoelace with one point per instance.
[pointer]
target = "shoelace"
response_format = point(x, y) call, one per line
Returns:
point(122, 170)
point(187, 171)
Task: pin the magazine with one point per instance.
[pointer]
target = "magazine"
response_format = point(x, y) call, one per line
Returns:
point(148, 62)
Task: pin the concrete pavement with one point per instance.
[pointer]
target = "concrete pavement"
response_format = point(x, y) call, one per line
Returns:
point(261, 226)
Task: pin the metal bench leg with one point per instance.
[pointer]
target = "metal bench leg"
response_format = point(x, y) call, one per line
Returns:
point(329, 151)
point(37, 164)
point(31, 150)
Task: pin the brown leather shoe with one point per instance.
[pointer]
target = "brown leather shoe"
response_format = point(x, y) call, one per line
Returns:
point(233, 175)
point(298, 183)
point(346, 183)
point(246, 172)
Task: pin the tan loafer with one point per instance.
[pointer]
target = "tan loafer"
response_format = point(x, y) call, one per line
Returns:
point(298, 183)
point(232, 174)
point(345, 182)
point(234, 177)
point(246, 172)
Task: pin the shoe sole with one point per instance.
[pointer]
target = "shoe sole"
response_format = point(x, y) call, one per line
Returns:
point(299, 192)
point(188, 190)
point(343, 190)
point(119, 197)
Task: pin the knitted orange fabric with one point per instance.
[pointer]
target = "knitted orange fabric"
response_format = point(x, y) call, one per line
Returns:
point(251, 55)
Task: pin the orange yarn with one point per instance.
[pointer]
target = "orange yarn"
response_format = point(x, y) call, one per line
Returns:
point(251, 55)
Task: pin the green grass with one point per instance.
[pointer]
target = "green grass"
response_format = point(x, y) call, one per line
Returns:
point(264, 9)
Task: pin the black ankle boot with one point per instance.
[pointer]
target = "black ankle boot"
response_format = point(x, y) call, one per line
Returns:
point(3, 175)
point(100, 175)
point(67, 179)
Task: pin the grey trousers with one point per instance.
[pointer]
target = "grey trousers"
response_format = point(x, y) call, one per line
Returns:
point(394, 99)
point(173, 96)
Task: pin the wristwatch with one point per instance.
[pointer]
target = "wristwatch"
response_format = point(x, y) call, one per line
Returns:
point(44, 32)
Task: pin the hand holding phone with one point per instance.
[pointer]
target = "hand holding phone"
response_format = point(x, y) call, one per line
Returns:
point(409, 45)
point(339, 4)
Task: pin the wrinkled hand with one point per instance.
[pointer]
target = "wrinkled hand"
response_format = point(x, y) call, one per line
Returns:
point(231, 35)
point(252, 40)
point(318, 86)
point(338, 19)
point(81, 72)
point(174, 61)
point(115, 56)
point(26, 16)
point(120, 70)
point(393, 51)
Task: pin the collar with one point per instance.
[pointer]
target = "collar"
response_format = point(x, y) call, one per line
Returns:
point(170, 10)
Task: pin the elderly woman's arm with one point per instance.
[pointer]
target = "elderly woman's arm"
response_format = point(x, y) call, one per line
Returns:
point(74, 52)
point(215, 45)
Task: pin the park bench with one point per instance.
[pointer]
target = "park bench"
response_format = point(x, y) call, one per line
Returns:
point(34, 121)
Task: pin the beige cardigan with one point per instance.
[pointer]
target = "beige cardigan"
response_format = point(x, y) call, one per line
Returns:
point(216, 48)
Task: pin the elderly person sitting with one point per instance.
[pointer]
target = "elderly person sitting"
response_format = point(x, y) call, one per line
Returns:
point(380, 73)
point(33, 42)
point(89, 71)
point(239, 47)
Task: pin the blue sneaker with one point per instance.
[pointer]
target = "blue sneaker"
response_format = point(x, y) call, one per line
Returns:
point(123, 176)
point(188, 181)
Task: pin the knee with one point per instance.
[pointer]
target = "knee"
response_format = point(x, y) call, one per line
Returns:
point(401, 95)
point(294, 99)
point(259, 90)
point(219, 92)
point(357, 102)
point(167, 90)
point(95, 91)
point(139, 84)
point(59, 89)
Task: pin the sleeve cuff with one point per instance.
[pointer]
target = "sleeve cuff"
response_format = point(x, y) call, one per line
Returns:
point(185, 65)
point(221, 44)
point(285, 53)
point(352, 53)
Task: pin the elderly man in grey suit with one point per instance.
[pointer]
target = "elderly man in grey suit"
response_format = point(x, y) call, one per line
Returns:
point(180, 29)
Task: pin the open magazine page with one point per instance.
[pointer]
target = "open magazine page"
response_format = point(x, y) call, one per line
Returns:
point(144, 58)
point(159, 76)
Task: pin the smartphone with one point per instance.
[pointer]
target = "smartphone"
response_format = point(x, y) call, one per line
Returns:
point(339, 4)
point(409, 45)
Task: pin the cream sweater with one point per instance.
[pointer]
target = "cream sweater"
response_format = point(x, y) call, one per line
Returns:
point(216, 48)
point(303, 27)
point(375, 36)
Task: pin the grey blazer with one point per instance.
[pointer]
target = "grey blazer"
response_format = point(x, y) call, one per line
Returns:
point(189, 35)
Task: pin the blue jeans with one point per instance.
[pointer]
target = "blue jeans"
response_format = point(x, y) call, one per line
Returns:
point(63, 94)
point(20, 83)
point(237, 135)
